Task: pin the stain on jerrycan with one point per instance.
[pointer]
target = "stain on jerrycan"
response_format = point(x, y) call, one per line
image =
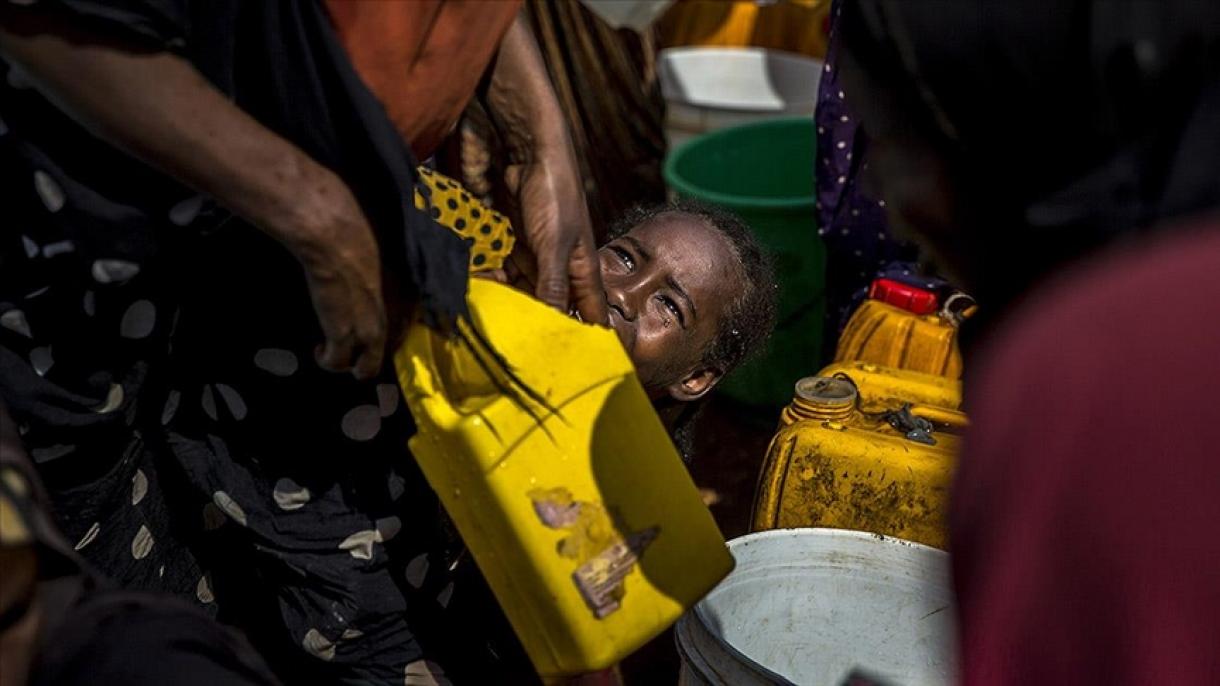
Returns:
point(572, 498)
point(904, 327)
point(870, 443)
point(833, 465)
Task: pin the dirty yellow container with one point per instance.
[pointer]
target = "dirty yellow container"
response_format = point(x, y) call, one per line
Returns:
point(572, 499)
point(833, 465)
point(891, 336)
point(885, 388)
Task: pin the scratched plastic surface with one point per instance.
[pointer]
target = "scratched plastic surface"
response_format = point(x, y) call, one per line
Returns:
point(882, 334)
point(845, 466)
point(583, 520)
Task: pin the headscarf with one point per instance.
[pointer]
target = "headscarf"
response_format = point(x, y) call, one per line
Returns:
point(1075, 123)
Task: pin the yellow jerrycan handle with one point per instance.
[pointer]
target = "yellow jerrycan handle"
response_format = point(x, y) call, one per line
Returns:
point(545, 451)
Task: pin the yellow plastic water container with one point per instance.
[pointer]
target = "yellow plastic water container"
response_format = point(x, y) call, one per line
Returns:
point(571, 498)
point(903, 327)
point(870, 443)
point(885, 388)
point(832, 464)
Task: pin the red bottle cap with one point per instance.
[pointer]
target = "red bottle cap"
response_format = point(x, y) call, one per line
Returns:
point(907, 297)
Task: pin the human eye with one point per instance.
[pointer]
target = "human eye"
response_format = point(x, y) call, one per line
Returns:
point(669, 304)
point(624, 257)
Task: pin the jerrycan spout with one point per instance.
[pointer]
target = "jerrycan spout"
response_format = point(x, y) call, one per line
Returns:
point(822, 398)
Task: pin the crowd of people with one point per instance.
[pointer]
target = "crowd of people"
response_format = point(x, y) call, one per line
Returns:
point(218, 216)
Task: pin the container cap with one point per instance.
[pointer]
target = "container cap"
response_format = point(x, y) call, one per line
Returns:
point(825, 390)
point(904, 296)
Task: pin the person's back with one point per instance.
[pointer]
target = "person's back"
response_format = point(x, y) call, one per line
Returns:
point(1083, 515)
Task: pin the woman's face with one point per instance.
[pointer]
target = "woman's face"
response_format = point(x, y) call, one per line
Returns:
point(668, 283)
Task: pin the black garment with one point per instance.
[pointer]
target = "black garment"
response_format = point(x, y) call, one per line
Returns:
point(1068, 125)
point(157, 353)
point(116, 637)
point(90, 633)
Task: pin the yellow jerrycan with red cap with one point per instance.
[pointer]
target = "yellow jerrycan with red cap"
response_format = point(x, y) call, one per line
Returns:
point(900, 326)
point(871, 442)
point(547, 454)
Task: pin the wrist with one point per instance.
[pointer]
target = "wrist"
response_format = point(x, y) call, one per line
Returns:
point(300, 206)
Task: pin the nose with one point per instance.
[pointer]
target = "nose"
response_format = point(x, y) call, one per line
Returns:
point(620, 299)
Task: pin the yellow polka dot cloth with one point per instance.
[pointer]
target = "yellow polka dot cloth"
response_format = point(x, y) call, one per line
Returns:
point(489, 233)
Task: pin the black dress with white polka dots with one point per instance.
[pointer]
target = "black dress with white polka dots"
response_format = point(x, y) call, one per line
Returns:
point(859, 243)
point(158, 355)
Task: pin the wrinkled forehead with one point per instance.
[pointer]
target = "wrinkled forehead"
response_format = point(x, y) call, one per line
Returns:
point(697, 255)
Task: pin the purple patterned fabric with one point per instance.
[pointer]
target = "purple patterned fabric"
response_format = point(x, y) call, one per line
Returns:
point(853, 225)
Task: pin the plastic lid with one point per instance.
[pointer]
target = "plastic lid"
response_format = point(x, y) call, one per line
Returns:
point(904, 296)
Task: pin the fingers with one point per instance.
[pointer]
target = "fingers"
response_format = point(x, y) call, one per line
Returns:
point(362, 353)
point(521, 269)
point(497, 275)
point(588, 294)
point(343, 270)
point(564, 281)
point(335, 355)
point(368, 366)
point(552, 284)
point(363, 361)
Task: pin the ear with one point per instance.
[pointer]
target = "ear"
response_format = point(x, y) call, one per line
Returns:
point(695, 385)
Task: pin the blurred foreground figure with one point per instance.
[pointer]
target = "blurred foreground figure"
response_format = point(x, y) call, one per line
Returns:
point(61, 625)
point(1030, 151)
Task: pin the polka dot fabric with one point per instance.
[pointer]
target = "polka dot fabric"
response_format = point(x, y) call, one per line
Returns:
point(853, 225)
point(489, 233)
point(145, 351)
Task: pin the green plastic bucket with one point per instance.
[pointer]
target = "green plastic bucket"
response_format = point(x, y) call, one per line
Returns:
point(764, 172)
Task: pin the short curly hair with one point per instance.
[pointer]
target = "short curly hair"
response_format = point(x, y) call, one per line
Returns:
point(750, 318)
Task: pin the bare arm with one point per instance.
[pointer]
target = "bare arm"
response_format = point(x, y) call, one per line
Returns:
point(546, 177)
point(157, 107)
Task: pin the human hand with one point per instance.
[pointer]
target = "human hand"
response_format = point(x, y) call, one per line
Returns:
point(158, 107)
point(343, 270)
point(497, 275)
point(558, 233)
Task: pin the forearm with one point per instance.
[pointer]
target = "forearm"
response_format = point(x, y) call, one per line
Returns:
point(521, 101)
point(157, 107)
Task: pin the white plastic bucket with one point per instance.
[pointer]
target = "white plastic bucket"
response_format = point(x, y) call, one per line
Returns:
point(713, 88)
point(809, 606)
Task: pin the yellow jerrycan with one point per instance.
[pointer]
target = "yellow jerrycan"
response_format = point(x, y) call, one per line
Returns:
point(560, 478)
point(833, 464)
point(885, 388)
point(904, 327)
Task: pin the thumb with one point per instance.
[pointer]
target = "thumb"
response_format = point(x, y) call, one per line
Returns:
point(588, 293)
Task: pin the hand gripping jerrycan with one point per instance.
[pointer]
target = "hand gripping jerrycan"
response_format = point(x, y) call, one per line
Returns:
point(560, 478)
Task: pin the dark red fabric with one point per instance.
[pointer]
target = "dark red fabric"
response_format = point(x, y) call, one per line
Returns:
point(1085, 514)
